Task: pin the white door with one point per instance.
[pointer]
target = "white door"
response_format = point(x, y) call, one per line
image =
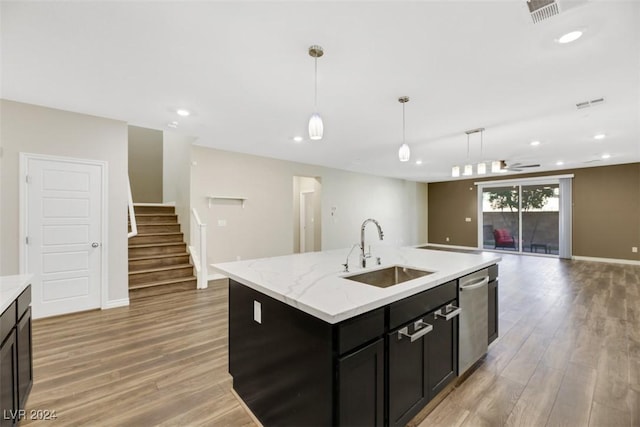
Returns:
point(63, 229)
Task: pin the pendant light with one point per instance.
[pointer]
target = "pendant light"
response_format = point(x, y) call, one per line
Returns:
point(316, 128)
point(404, 153)
point(482, 166)
point(468, 168)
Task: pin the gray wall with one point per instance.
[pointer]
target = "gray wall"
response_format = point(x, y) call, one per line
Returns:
point(145, 164)
point(176, 176)
point(265, 227)
point(33, 129)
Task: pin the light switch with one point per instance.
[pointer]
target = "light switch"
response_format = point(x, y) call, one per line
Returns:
point(634, 249)
point(468, 219)
point(257, 311)
point(222, 223)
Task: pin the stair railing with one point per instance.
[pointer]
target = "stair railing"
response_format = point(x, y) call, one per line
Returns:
point(198, 249)
point(132, 214)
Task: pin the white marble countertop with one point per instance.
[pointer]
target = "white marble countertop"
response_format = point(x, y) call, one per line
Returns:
point(11, 287)
point(314, 282)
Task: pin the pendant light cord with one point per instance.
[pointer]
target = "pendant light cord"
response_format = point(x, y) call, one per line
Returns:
point(403, 125)
point(315, 87)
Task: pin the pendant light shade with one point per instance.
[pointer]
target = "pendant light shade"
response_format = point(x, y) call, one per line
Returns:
point(455, 171)
point(482, 168)
point(468, 170)
point(495, 166)
point(404, 153)
point(316, 127)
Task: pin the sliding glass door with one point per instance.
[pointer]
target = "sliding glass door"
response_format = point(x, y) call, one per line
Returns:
point(524, 216)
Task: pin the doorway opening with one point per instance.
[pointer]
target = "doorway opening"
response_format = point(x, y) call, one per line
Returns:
point(307, 224)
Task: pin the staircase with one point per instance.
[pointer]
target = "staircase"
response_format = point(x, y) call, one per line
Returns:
point(158, 258)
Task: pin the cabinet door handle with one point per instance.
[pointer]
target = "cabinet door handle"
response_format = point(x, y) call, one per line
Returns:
point(448, 312)
point(426, 328)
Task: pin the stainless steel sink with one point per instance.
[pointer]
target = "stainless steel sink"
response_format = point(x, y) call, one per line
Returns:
point(389, 276)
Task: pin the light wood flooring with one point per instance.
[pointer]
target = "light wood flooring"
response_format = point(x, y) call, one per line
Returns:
point(568, 355)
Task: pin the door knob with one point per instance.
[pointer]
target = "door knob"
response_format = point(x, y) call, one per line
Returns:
point(95, 244)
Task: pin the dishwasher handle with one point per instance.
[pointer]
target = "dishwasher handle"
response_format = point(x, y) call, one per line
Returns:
point(475, 285)
point(426, 328)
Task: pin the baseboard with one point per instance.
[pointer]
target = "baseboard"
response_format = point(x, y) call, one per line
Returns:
point(215, 276)
point(114, 303)
point(607, 260)
point(438, 245)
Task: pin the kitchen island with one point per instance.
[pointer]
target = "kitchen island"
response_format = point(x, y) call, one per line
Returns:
point(309, 346)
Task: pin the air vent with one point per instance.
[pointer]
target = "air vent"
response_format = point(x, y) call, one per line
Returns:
point(542, 9)
point(593, 103)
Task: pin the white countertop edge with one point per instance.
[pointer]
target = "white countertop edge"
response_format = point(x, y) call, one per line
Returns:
point(11, 287)
point(402, 293)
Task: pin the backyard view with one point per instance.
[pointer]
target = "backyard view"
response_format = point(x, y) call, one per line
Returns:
point(521, 218)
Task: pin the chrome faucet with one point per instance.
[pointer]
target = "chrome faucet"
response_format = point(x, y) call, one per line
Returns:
point(363, 255)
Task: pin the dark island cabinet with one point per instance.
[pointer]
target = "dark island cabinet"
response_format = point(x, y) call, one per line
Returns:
point(361, 387)
point(376, 369)
point(423, 360)
point(493, 304)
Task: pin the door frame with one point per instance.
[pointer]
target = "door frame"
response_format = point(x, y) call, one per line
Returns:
point(564, 215)
point(23, 213)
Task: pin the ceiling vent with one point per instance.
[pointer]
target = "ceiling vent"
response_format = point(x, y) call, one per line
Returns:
point(593, 103)
point(542, 9)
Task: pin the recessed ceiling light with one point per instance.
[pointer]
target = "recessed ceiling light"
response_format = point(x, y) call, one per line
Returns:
point(418, 162)
point(599, 136)
point(559, 163)
point(534, 143)
point(570, 37)
point(606, 156)
point(297, 138)
point(182, 112)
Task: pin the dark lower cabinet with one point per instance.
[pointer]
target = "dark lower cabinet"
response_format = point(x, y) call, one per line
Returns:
point(420, 364)
point(16, 368)
point(24, 357)
point(493, 311)
point(8, 380)
point(361, 387)
point(442, 353)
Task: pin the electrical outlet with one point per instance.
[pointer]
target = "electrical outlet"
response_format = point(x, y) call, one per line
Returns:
point(467, 219)
point(238, 258)
point(257, 311)
point(634, 249)
point(447, 239)
point(222, 223)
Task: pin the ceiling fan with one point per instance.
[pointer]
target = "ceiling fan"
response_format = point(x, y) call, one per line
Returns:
point(517, 167)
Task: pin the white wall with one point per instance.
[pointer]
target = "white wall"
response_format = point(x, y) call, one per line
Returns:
point(265, 226)
point(33, 129)
point(176, 177)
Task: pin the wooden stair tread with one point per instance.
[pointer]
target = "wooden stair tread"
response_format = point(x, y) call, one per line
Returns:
point(157, 224)
point(165, 268)
point(156, 214)
point(169, 233)
point(153, 245)
point(158, 256)
point(163, 282)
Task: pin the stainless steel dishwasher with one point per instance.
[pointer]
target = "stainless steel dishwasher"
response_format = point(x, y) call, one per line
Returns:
point(473, 298)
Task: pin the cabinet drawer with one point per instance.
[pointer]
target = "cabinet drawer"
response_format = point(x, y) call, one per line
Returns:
point(493, 272)
point(23, 301)
point(359, 330)
point(416, 305)
point(7, 321)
